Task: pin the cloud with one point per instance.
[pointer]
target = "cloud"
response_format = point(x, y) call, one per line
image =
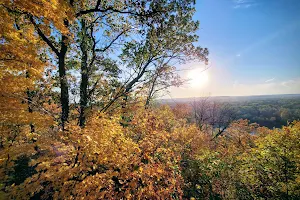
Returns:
point(289, 83)
point(270, 86)
point(270, 80)
point(238, 55)
point(244, 3)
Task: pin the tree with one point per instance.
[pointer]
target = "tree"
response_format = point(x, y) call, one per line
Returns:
point(218, 115)
point(161, 44)
point(21, 65)
point(271, 169)
point(114, 23)
point(41, 19)
point(160, 80)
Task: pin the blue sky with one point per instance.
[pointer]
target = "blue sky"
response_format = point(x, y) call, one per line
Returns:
point(254, 48)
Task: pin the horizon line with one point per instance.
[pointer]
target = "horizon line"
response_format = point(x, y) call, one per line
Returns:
point(227, 96)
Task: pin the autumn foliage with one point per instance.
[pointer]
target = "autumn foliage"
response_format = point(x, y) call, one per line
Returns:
point(156, 156)
point(116, 143)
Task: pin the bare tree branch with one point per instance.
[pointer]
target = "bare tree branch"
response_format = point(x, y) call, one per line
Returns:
point(111, 43)
point(102, 10)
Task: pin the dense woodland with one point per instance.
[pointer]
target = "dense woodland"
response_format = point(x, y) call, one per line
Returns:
point(77, 119)
point(272, 111)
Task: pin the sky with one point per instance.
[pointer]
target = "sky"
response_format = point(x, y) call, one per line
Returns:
point(254, 49)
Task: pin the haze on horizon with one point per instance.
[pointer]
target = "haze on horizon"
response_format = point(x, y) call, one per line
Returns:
point(254, 49)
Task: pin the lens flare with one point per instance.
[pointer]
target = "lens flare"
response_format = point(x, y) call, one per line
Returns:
point(198, 78)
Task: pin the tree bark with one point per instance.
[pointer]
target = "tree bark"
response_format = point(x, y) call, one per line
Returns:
point(84, 76)
point(29, 100)
point(64, 88)
point(64, 95)
point(151, 91)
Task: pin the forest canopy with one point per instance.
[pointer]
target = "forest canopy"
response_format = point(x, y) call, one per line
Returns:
point(78, 80)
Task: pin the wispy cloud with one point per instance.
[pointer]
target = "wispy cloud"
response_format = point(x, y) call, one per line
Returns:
point(271, 86)
point(270, 80)
point(238, 55)
point(244, 3)
point(289, 83)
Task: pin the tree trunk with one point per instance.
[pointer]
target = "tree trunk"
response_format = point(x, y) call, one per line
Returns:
point(84, 76)
point(151, 91)
point(64, 95)
point(29, 99)
point(29, 102)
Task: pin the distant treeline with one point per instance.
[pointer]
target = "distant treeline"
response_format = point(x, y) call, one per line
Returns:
point(269, 110)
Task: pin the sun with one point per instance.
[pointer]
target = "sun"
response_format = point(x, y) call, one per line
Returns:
point(198, 78)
